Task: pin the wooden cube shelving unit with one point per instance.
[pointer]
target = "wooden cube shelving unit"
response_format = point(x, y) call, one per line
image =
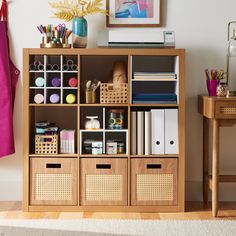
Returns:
point(102, 182)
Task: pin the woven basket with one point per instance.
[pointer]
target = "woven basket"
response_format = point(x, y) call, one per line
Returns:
point(114, 93)
point(46, 144)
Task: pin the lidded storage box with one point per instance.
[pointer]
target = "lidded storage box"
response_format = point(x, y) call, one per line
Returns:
point(46, 144)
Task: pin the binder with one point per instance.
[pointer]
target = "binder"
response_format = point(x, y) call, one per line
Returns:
point(158, 130)
point(147, 133)
point(133, 133)
point(140, 132)
point(171, 131)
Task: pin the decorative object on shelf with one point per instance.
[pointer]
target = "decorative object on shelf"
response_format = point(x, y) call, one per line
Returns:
point(73, 82)
point(116, 119)
point(90, 90)
point(54, 37)
point(93, 147)
point(221, 90)
point(119, 72)
point(54, 98)
point(143, 13)
point(114, 93)
point(213, 80)
point(56, 82)
point(67, 141)
point(93, 123)
point(74, 11)
point(70, 98)
point(38, 98)
point(39, 81)
point(231, 52)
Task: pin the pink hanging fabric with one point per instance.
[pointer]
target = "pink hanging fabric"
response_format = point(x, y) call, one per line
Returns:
point(8, 79)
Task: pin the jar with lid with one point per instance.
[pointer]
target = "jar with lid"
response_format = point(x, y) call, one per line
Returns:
point(116, 119)
point(120, 147)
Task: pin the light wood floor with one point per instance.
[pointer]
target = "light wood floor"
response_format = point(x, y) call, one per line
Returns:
point(194, 211)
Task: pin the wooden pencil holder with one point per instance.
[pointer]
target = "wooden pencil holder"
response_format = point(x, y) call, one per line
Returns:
point(90, 96)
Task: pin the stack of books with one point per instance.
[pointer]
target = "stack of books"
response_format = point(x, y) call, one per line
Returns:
point(159, 76)
point(154, 98)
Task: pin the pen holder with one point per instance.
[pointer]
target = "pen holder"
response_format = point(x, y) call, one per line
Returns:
point(90, 96)
point(212, 86)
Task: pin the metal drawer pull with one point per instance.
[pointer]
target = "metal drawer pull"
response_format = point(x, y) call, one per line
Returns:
point(53, 165)
point(153, 166)
point(103, 166)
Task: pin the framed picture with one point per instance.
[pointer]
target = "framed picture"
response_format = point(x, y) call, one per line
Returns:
point(134, 13)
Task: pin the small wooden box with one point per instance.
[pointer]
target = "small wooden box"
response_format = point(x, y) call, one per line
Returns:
point(114, 93)
point(53, 181)
point(46, 144)
point(154, 181)
point(103, 181)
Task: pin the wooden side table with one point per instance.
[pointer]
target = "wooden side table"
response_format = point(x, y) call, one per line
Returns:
point(218, 112)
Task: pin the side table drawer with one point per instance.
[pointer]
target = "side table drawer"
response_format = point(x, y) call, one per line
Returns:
point(225, 110)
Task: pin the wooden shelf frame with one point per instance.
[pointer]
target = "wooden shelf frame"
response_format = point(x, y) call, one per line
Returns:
point(27, 119)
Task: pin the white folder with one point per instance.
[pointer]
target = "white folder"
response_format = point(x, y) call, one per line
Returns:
point(171, 131)
point(140, 133)
point(158, 130)
point(133, 133)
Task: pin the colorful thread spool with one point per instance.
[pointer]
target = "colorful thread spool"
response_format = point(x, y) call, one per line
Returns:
point(32, 67)
point(70, 62)
point(55, 67)
point(65, 67)
point(54, 98)
point(73, 82)
point(56, 82)
point(39, 98)
point(41, 67)
point(49, 66)
point(39, 82)
point(70, 98)
point(74, 67)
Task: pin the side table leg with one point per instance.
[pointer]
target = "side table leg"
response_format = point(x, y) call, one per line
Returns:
point(215, 166)
point(205, 159)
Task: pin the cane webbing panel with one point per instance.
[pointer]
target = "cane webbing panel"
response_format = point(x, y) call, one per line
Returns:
point(103, 187)
point(53, 187)
point(155, 187)
point(228, 110)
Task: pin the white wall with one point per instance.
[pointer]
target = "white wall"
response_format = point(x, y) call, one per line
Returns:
point(200, 27)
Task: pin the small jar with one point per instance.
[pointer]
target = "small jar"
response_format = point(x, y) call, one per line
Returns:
point(93, 123)
point(116, 119)
point(111, 147)
point(221, 90)
point(120, 147)
point(97, 148)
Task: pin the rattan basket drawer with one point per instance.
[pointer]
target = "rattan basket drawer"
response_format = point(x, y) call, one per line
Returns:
point(103, 181)
point(225, 110)
point(154, 181)
point(53, 181)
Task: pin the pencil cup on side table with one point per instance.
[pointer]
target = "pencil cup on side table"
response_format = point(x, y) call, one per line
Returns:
point(212, 86)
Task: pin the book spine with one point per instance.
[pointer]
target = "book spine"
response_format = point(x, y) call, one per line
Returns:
point(133, 133)
point(140, 132)
point(147, 133)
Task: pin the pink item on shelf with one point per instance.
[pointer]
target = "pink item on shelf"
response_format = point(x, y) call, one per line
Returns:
point(8, 79)
point(73, 82)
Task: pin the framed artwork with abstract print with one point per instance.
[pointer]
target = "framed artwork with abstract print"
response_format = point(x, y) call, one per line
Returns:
point(134, 13)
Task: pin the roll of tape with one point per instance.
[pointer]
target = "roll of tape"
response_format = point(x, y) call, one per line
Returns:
point(32, 67)
point(69, 62)
point(49, 67)
point(73, 82)
point(70, 98)
point(41, 67)
point(39, 98)
point(55, 67)
point(56, 82)
point(54, 98)
point(39, 82)
point(65, 67)
point(74, 67)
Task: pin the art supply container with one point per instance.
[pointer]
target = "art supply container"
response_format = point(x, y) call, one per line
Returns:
point(116, 119)
point(120, 147)
point(56, 82)
point(111, 147)
point(70, 98)
point(39, 98)
point(211, 86)
point(54, 98)
point(39, 81)
point(73, 82)
point(97, 148)
point(90, 96)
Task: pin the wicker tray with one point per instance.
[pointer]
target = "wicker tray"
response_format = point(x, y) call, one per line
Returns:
point(114, 93)
point(46, 144)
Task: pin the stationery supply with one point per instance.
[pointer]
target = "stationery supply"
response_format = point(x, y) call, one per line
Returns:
point(54, 98)
point(154, 132)
point(115, 147)
point(73, 82)
point(154, 98)
point(54, 37)
point(70, 98)
point(67, 141)
point(213, 81)
point(94, 147)
point(161, 76)
point(38, 98)
point(90, 90)
point(56, 82)
point(70, 65)
point(46, 128)
point(39, 81)
point(116, 119)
